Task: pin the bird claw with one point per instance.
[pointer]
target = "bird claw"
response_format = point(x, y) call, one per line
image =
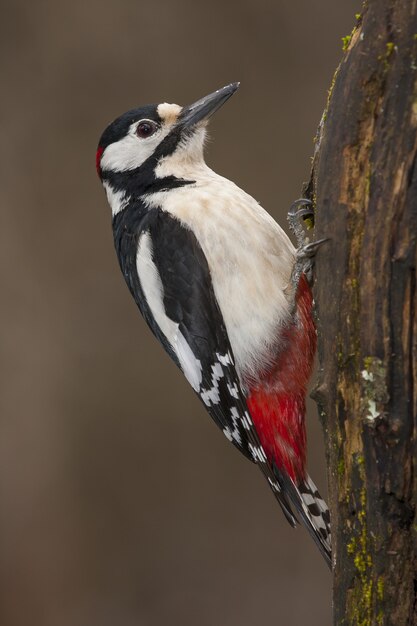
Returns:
point(300, 212)
point(304, 261)
point(306, 250)
point(294, 216)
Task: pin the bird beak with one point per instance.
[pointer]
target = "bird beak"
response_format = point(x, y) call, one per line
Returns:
point(205, 107)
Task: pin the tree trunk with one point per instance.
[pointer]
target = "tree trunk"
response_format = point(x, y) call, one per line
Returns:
point(364, 186)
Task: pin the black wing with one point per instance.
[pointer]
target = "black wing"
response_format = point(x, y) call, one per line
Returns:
point(168, 276)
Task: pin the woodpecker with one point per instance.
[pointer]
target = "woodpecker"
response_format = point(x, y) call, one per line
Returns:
point(221, 287)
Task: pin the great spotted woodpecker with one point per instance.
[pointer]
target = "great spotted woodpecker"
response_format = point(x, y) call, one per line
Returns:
point(221, 287)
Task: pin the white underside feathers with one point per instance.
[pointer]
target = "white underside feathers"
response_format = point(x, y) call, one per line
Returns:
point(249, 256)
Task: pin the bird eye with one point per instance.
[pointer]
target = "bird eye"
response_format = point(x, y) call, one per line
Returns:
point(146, 128)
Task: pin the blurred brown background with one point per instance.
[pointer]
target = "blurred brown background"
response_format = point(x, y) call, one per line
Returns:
point(121, 504)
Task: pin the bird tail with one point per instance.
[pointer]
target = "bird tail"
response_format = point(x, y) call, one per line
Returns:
point(311, 508)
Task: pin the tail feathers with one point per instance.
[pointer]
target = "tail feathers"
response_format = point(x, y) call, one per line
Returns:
point(283, 501)
point(316, 516)
point(312, 510)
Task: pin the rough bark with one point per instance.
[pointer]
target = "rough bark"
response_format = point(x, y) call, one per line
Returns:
point(364, 185)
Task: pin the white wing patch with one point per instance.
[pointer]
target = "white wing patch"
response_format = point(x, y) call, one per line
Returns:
point(233, 390)
point(225, 359)
point(190, 365)
point(211, 396)
point(246, 421)
point(151, 284)
point(233, 434)
point(220, 377)
point(258, 453)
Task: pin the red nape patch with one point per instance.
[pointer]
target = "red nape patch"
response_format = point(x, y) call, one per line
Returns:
point(279, 422)
point(99, 153)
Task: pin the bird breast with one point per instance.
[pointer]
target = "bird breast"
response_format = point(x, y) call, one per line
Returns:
point(250, 259)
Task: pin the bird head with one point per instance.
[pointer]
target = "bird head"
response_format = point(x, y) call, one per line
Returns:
point(154, 141)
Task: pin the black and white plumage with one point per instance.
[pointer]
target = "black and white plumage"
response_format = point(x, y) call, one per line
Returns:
point(210, 272)
point(174, 293)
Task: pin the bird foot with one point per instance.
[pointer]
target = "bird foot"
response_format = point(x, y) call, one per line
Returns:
point(306, 250)
point(301, 208)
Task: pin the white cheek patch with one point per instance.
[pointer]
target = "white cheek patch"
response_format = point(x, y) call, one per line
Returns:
point(131, 151)
point(151, 284)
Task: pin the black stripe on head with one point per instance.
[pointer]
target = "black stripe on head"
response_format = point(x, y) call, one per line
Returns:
point(141, 180)
point(119, 127)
